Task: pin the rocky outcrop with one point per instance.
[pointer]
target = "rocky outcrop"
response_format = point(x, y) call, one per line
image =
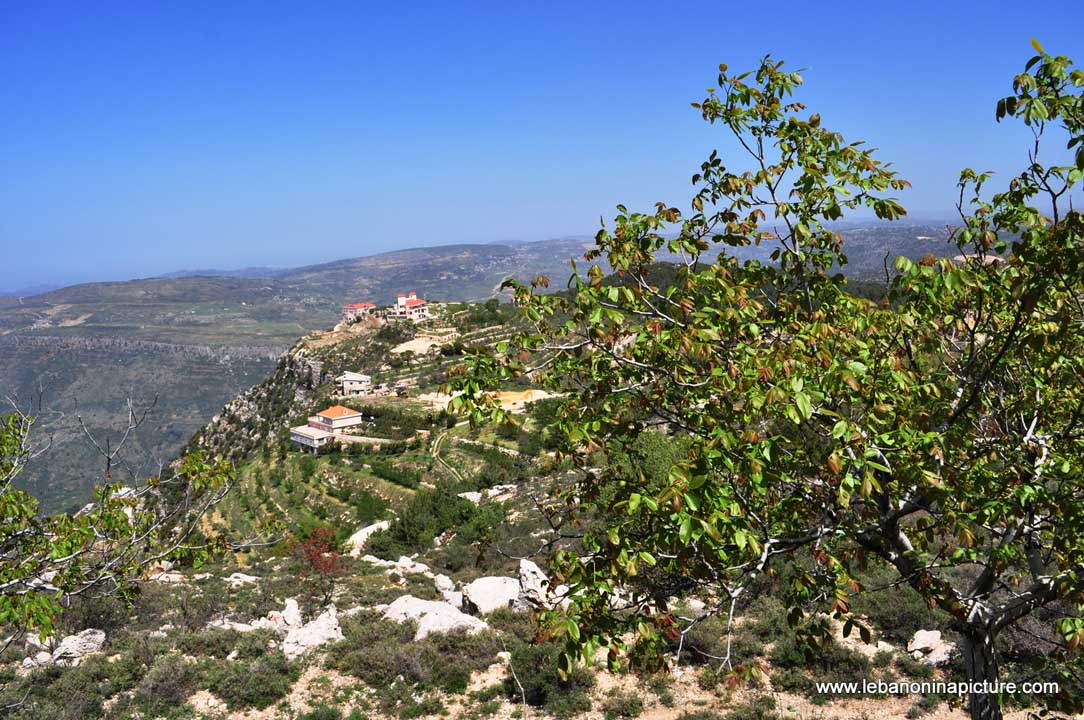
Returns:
point(487, 594)
point(281, 621)
point(446, 587)
point(497, 493)
point(432, 616)
point(324, 629)
point(402, 566)
point(928, 647)
point(72, 649)
point(238, 579)
point(533, 585)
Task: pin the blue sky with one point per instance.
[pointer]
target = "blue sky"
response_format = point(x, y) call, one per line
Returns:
point(139, 138)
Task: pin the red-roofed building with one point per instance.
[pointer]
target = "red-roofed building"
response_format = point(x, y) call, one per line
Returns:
point(357, 310)
point(410, 306)
point(335, 418)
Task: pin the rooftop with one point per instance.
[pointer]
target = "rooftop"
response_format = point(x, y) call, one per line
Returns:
point(337, 411)
point(359, 306)
point(311, 432)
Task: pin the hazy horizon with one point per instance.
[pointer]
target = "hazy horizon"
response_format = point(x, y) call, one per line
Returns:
point(143, 141)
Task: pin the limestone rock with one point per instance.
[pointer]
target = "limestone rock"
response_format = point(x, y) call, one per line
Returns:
point(324, 629)
point(533, 585)
point(72, 649)
point(929, 648)
point(444, 583)
point(282, 621)
point(924, 641)
point(487, 594)
point(432, 616)
point(238, 579)
point(943, 654)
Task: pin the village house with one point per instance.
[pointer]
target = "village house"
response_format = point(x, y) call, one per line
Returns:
point(353, 312)
point(326, 426)
point(410, 307)
point(336, 418)
point(352, 384)
point(310, 437)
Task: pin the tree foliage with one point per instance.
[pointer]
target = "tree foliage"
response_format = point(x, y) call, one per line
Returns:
point(939, 431)
point(45, 561)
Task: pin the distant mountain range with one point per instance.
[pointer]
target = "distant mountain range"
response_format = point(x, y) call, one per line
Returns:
point(191, 341)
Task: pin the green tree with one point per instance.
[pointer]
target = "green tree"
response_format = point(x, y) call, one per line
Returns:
point(939, 432)
point(47, 560)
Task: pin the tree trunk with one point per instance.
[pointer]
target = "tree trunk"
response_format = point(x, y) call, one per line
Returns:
point(981, 664)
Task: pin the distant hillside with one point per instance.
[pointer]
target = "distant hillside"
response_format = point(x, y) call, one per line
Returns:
point(195, 342)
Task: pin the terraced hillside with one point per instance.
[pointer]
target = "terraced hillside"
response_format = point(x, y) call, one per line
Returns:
point(403, 577)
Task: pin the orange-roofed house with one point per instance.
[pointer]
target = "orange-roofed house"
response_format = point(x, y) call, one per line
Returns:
point(357, 310)
point(411, 307)
point(335, 418)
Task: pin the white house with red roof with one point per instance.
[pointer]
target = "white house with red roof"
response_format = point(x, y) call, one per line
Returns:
point(410, 306)
point(357, 310)
point(325, 426)
point(336, 418)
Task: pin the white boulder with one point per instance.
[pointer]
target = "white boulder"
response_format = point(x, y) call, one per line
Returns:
point(487, 594)
point(324, 629)
point(533, 585)
point(432, 616)
point(923, 641)
point(238, 579)
point(282, 621)
point(929, 648)
point(943, 654)
point(72, 649)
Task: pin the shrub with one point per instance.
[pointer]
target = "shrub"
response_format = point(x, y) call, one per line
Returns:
point(167, 684)
point(791, 659)
point(898, 611)
point(255, 684)
point(761, 707)
point(322, 713)
point(321, 562)
point(535, 670)
point(429, 513)
point(622, 704)
point(379, 651)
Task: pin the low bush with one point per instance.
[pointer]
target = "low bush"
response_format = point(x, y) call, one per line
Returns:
point(533, 677)
point(761, 707)
point(429, 513)
point(797, 666)
point(255, 684)
point(323, 712)
point(380, 651)
point(898, 611)
point(167, 684)
point(622, 704)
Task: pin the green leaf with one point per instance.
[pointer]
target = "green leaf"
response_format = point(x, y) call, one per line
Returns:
point(805, 406)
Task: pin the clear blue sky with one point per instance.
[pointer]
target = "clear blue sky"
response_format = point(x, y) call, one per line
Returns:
point(145, 137)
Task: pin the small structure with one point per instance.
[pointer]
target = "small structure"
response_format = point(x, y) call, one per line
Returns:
point(352, 384)
point(310, 437)
point(353, 312)
point(410, 307)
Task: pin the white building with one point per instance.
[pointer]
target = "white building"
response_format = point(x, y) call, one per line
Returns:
point(352, 384)
point(410, 307)
point(336, 418)
point(310, 437)
point(357, 310)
